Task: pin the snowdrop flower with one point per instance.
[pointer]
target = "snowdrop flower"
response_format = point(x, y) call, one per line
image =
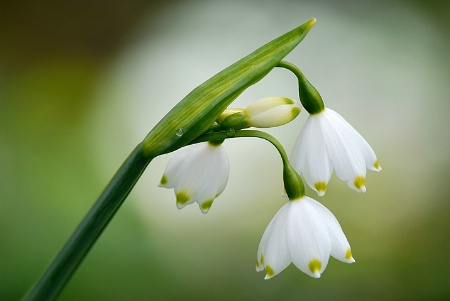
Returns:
point(328, 142)
point(198, 173)
point(305, 233)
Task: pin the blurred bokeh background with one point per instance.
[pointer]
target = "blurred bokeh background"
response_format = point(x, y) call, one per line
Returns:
point(82, 82)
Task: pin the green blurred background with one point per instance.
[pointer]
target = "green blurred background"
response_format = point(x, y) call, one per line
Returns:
point(82, 82)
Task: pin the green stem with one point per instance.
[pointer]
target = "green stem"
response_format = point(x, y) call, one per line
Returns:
point(72, 254)
point(221, 135)
point(293, 184)
point(309, 96)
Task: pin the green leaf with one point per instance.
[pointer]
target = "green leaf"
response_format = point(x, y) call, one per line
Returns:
point(196, 112)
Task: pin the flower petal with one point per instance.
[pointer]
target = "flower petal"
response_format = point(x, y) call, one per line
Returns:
point(359, 142)
point(326, 142)
point(344, 149)
point(340, 248)
point(273, 252)
point(310, 157)
point(303, 232)
point(198, 173)
point(308, 240)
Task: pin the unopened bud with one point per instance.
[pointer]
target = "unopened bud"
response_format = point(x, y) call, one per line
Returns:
point(271, 112)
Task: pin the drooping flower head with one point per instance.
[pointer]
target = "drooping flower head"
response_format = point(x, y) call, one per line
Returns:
point(327, 142)
point(305, 233)
point(198, 173)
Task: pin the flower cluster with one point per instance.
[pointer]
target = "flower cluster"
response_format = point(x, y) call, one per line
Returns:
point(303, 231)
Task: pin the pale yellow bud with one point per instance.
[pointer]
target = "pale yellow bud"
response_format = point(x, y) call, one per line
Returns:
point(271, 112)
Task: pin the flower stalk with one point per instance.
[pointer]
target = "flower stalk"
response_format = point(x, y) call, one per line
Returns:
point(189, 119)
point(327, 142)
point(309, 96)
point(293, 184)
point(77, 247)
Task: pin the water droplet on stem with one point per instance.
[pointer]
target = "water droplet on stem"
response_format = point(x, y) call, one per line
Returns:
point(180, 132)
point(231, 133)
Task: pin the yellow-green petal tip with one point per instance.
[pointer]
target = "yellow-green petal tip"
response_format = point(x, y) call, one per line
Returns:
point(182, 198)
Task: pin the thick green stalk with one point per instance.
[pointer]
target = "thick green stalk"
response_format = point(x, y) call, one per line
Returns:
point(72, 254)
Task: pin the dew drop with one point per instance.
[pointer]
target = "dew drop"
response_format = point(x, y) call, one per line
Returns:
point(180, 132)
point(231, 133)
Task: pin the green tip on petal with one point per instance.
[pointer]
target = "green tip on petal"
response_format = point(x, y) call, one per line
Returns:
point(288, 101)
point(349, 256)
point(295, 111)
point(260, 263)
point(314, 266)
point(163, 180)
point(360, 183)
point(377, 165)
point(182, 198)
point(320, 186)
point(205, 206)
point(269, 272)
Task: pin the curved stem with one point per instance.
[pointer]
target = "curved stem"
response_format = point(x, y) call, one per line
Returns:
point(221, 135)
point(291, 67)
point(293, 184)
point(309, 96)
point(74, 251)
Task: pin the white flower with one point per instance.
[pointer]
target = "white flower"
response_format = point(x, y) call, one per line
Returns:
point(328, 142)
point(305, 233)
point(198, 173)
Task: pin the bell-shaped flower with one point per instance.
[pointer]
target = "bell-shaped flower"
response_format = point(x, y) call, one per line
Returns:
point(264, 113)
point(326, 142)
point(305, 233)
point(198, 173)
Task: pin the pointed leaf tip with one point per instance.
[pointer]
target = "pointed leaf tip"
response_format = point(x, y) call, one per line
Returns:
point(202, 106)
point(311, 21)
